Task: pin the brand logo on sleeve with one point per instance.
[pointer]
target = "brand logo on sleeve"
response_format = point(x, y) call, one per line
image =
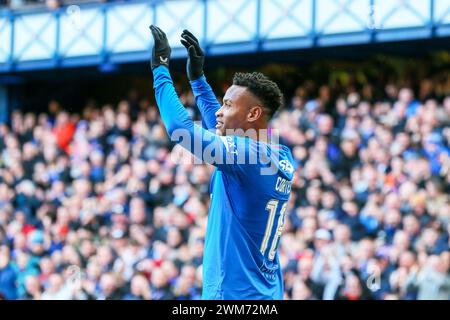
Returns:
point(286, 166)
point(163, 60)
point(230, 145)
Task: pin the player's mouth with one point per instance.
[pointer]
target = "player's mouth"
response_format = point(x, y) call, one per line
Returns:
point(219, 124)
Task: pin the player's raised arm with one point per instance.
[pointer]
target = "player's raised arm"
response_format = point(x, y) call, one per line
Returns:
point(172, 112)
point(204, 95)
point(204, 144)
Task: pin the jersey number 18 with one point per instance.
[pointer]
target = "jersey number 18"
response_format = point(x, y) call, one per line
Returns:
point(272, 207)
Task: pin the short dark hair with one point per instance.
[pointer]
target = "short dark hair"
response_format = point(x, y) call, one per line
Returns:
point(262, 88)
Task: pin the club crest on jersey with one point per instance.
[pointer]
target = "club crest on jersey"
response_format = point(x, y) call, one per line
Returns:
point(286, 166)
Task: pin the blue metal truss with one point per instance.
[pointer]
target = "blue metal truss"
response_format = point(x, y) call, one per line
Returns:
point(36, 36)
point(344, 11)
point(287, 14)
point(180, 21)
point(446, 14)
point(233, 17)
point(259, 35)
point(83, 34)
point(405, 5)
point(130, 27)
point(441, 16)
point(2, 31)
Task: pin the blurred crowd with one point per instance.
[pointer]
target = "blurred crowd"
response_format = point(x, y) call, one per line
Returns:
point(370, 213)
point(103, 206)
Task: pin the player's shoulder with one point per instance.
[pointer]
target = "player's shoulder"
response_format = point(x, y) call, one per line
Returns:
point(285, 160)
point(277, 155)
point(261, 153)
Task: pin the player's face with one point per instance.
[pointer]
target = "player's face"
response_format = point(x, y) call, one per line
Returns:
point(234, 111)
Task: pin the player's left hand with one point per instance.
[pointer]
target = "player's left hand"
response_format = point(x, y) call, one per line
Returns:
point(161, 48)
point(196, 56)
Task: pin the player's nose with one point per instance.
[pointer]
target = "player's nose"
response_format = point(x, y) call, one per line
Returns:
point(219, 113)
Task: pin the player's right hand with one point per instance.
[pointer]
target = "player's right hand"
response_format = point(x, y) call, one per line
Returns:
point(161, 48)
point(196, 56)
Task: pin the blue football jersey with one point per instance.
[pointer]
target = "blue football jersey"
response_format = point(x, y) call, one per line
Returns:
point(249, 192)
point(245, 222)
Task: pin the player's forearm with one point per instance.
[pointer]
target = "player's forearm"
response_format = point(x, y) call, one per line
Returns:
point(205, 100)
point(179, 125)
point(173, 113)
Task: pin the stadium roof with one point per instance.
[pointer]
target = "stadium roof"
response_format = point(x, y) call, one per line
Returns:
point(109, 34)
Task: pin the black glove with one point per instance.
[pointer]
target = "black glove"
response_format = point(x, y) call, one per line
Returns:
point(196, 57)
point(161, 49)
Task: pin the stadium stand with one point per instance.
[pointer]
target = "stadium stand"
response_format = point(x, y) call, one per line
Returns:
point(109, 196)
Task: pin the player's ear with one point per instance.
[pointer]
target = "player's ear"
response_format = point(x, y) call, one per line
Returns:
point(255, 113)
